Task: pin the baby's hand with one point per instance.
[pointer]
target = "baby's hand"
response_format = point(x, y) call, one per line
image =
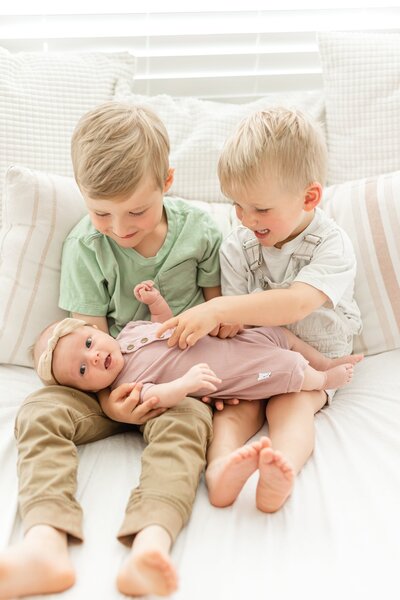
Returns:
point(146, 292)
point(200, 376)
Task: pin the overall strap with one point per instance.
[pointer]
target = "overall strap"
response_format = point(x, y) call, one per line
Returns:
point(310, 242)
point(252, 251)
point(252, 247)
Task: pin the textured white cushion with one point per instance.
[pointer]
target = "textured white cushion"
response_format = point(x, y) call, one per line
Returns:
point(198, 130)
point(362, 93)
point(42, 96)
point(39, 211)
point(369, 211)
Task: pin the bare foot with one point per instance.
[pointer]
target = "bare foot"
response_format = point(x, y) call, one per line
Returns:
point(147, 572)
point(276, 481)
point(38, 565)
point(326, 363)
point(338, 376)
point(226, 476)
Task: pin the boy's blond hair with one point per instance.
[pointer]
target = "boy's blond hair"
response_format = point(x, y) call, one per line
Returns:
point(280, 143)
point(114, 146)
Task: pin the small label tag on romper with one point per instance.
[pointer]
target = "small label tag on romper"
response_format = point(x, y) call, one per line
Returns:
point(264, 375)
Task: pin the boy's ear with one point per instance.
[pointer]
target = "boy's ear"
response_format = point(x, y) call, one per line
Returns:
point(312, 196)
point(169, 180)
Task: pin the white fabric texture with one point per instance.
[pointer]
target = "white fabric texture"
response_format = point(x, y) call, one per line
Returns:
point(336, 537)
point(39, 211)
point(369, 211)
point(42, 96)
point(362, 94)
point(198, 130)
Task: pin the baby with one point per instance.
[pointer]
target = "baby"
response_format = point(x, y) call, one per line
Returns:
point(257, 363)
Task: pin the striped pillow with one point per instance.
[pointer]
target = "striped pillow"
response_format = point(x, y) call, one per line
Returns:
point(38, 212)
point(369, 211)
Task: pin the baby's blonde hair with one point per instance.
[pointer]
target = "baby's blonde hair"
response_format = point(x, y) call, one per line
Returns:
point(280, 143)
point(114, 146)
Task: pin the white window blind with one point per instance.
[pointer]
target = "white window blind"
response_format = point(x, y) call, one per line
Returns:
point(231, 55)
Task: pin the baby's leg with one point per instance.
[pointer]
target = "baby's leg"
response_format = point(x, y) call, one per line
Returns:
point(40, 564)
point(148, 568)
point(230, 463)
point(327, 380)
point(316, 359)
point(291, 428)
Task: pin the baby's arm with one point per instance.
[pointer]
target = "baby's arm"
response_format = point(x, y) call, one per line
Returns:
point(146, 292)
point(171, 393)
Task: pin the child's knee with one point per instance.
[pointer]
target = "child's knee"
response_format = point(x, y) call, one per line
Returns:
point(190, 419)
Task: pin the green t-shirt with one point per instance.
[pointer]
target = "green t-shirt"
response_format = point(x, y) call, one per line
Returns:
point(98, 276)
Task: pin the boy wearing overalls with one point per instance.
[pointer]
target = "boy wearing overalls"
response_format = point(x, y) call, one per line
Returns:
point(287, 264)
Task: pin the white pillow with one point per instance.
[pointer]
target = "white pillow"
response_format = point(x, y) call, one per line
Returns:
point(198, 130)
point(369, 211)
point(362, 92)
point(42, 96)
point(39, 211)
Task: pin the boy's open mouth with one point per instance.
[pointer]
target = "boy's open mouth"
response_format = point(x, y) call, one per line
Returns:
point(107, 362)
point(261, 232)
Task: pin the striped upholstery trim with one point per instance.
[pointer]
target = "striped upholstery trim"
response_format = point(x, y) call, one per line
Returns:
point(27, 315)
point(369, 212)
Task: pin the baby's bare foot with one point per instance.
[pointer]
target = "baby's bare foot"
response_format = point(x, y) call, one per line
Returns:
point(329, 363)
point(226, 476)
point(38, 565)
point(338, 376)
point(276, 481)
point(147, 572)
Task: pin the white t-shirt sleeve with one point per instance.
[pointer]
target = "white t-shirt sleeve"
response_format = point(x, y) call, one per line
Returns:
point(332, 268)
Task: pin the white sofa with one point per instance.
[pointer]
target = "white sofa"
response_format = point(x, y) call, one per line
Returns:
point(338, 536)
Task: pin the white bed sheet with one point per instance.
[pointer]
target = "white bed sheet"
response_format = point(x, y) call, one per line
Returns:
point(338, 536)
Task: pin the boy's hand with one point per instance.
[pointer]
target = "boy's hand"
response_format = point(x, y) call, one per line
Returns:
point(227, 330)
point(200, 376)
point(220, 404)
point(124, 405)
point(190, 326)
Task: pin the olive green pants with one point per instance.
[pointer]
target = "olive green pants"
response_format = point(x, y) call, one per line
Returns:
point(54, 420)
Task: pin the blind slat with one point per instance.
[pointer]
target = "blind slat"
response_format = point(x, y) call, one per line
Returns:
point(211, 54)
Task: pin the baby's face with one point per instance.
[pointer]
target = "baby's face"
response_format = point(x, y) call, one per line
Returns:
point(87, 359)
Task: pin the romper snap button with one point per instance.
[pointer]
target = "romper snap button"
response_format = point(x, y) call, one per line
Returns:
point(144, 340)
point(130, 347)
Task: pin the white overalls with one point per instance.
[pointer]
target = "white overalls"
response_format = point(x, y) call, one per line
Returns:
point(329, 329)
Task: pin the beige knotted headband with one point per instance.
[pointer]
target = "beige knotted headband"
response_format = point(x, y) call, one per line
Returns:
point(62, 328)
